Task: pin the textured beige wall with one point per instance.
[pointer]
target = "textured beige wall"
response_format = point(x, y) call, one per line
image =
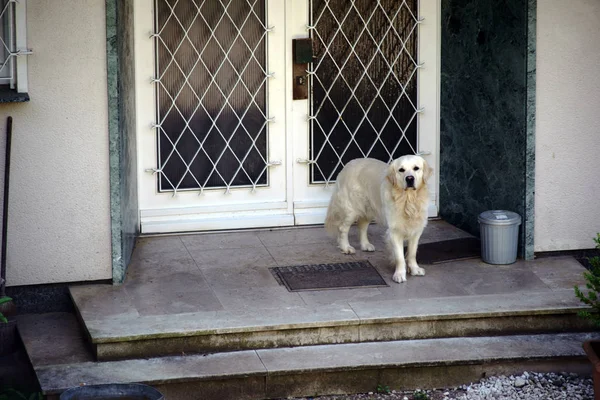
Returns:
point(59, 217)
point(567, 179)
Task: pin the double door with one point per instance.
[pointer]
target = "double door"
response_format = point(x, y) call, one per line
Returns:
point(236, 129)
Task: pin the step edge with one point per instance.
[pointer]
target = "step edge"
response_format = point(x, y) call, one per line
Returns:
point(363, 367)
point(422, 364)
point(574, 353)
point(105, 339)
point(152, 382)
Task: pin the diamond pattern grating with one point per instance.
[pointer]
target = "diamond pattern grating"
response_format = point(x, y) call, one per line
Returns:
point(8, 50)
point(364, 82)
point(211, 84)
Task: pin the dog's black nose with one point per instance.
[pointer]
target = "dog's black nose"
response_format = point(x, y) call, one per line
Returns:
point(410, 181)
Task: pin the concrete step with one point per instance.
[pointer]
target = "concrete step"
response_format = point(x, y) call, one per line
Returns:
point(134, 336)
point(323, 369)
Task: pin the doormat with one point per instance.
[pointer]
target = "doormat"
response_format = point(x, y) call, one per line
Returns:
point(328, 276)
point(449, 250)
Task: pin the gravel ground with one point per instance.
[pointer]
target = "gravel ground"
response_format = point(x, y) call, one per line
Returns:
point(529, 385)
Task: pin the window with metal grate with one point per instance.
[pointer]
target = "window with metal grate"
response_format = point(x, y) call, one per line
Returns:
point(211, 90)
point(13, 50)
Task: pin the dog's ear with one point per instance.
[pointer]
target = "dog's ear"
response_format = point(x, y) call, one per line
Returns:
point(391, 175)
point(427, 171)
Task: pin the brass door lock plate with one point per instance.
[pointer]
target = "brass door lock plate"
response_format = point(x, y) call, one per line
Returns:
point(303, 55)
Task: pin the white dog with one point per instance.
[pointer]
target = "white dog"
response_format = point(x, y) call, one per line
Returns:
point(394, 195)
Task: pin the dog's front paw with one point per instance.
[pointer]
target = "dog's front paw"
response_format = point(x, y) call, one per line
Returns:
point(348, 249)
point(367, 247)
point(399, 276)
point(417, 271)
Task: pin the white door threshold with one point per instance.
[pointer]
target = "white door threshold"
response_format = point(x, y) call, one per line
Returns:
point(225, 221)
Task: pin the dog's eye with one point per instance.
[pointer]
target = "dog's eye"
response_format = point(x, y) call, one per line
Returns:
point(401, 170)
point(416, 168)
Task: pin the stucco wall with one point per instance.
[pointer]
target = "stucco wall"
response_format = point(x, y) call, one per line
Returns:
point(59, 221)
point(567, 181)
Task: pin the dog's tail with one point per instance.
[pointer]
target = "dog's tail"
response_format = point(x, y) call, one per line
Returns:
point(333, 217)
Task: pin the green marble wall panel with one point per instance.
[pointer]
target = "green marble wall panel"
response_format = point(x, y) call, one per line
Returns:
point(483, 130)
point(121, 106)
point(529, 225)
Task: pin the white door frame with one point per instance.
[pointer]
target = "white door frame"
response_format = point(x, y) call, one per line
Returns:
point(290, 199)
point(211, 208)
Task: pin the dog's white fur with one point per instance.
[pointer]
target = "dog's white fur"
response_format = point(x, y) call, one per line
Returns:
point(367, 189)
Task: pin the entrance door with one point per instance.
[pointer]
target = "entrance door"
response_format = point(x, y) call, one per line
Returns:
point(221, 142)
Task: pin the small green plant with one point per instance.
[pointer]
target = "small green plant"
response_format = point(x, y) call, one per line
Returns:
point(420, 396)
point(592, 278)
point(13, 394)
point(383, 389)
point(3, 300)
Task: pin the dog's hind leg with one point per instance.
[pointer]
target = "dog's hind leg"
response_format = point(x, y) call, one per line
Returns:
point(396, 243)
point(363, 226)
point(343, 230)
point(411, 255)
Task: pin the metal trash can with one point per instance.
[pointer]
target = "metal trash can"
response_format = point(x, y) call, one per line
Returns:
point(129, 391)
point(499, 236)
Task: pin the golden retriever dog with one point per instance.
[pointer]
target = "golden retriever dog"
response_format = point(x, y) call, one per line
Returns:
point(394, 195)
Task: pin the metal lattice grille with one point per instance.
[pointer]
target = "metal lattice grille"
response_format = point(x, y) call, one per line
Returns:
point(211, 85)
point(8, 50)
point(364, 80)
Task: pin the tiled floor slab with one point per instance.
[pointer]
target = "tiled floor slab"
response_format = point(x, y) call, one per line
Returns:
point(168, 302)
point(236, 277)
point(157, 371)
point(376, 235)
point(177, 281)
point(517, 281)
point(422, 287)
point(163, 244)
point(416, 352)
point(447, 307)
point(101, 301)
point(184, 288)
point(146, 266)
point(53, 338)
point(227, 321)
point(215, 241)
point(558, 272)
point(258, 298)
point(226, 258)
point(299, 236)
point(438, 230)
point(341, 296)
point(301, 254)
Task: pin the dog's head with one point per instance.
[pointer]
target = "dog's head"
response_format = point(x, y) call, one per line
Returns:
point(409, 172)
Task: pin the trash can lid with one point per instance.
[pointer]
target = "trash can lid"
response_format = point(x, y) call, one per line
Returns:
point(499, 217)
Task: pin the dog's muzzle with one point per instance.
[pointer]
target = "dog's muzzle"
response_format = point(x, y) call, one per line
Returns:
point(410, 181)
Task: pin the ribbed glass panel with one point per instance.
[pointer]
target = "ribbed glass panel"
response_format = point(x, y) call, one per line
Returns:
point(211, 93)
point(365, 83)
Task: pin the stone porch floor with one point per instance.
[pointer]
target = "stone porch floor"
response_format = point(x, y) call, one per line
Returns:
point(199, 294)
point(225, 277)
